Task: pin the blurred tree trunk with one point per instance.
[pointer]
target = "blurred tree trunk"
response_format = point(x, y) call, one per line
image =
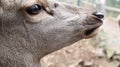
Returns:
point(101, 5)
point(78, 2)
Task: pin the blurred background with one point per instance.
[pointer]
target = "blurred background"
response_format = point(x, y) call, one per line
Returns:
point(102, 50)
point(112, 7)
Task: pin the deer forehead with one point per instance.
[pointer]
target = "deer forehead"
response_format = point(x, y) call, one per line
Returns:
point(21, 3)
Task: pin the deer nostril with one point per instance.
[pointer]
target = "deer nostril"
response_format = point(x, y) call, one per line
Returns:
point(99, 15)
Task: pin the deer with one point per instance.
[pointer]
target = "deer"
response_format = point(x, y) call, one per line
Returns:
point(32, 29)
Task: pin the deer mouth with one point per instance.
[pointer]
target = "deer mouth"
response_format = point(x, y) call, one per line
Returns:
point(92, 28)
point(90, 32)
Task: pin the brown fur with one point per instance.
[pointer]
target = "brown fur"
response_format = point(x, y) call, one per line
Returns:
point(25, 38)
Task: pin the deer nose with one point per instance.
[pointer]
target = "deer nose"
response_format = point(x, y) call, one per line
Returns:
point(99, 15)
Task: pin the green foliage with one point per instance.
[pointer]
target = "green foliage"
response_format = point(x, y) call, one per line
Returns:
point(113, 3)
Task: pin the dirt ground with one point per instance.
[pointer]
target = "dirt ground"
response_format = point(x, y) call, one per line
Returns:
point(85, 54)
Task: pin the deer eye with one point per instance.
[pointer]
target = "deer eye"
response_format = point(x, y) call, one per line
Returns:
point(34, 9)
